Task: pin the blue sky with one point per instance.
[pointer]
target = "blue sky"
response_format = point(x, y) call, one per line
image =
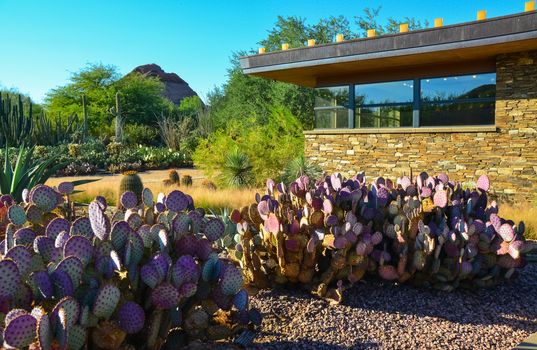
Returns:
point(44, 41)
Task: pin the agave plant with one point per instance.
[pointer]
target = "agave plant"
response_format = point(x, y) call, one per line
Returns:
point(237, 169)
point(26, 172)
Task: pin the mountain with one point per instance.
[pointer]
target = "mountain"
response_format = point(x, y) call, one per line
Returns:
point(175, 88)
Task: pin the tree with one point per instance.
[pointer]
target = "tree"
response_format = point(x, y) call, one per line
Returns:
point(141, 96)
point(369, 21)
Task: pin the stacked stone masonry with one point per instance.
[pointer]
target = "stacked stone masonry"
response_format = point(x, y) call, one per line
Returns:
point(508, 155)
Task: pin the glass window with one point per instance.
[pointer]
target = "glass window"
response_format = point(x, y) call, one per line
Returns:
point(458, 88)
point(450, 114)
point(332, 118)
point(384, 105)
point(460, 100)
point(383, 116)
point(331, 107)
point(382, 93)
point(332, 96)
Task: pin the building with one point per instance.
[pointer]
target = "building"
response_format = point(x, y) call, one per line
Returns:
point(460, 99)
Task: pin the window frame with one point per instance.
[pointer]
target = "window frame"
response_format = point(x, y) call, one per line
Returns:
point(416, 103)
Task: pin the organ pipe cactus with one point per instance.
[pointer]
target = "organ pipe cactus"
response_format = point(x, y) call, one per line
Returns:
point(328, 234)
point(121, 281)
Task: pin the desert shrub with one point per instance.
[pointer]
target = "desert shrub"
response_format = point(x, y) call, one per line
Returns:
point(268, 146)
point(136, 134)
point(94, 155)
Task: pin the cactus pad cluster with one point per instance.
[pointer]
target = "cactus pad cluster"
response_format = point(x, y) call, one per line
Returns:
point(126, 280)
point(329, 234)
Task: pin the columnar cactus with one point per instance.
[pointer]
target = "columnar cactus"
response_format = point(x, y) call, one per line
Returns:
point(125, 281)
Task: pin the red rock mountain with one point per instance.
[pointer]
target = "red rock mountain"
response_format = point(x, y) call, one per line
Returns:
point(175, 88)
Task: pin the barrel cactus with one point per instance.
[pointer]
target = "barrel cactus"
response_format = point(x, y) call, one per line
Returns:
point(132, 182)
point(186, 180)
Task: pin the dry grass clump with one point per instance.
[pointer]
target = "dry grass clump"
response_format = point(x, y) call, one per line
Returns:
point(522, 212)
point(205, 197)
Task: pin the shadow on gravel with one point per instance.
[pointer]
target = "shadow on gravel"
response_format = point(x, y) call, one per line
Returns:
point(306, 344)
point(513, 303)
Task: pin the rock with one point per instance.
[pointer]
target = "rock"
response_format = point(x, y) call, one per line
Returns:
point(175, 88)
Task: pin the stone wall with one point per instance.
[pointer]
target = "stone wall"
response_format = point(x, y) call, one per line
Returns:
point(507, 153)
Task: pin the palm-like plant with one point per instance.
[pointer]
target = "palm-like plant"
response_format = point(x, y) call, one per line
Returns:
point(26, 172)
point(237, 170)
point(300, 166)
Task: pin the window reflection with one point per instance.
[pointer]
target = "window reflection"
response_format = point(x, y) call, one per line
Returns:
point(458, 88)
point(383, 93)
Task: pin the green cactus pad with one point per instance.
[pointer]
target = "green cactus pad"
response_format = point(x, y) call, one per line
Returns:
point(147, 197)
point(119, 233)
point(34, 214)
point(135, 221)
point(76, 337)
point(44, 333)
point(145, 233)
point(44, 197)
point(16, 215)
point(106, 301)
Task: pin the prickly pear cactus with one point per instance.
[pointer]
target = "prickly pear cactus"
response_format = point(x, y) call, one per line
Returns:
point(123, 282)
point(330, 233)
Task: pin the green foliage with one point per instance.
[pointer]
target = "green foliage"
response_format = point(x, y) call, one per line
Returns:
point(139, 134)
point(268, 146)
point(369, 21)
point(237, 170)
point(15, 121)
point(300, 166)
point(26, 172)
point(94, 155)
point(141, 96)
point(47, 131)
point(95, 82)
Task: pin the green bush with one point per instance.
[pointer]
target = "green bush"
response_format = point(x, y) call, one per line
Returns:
point(137, 134)
point(94, 155)
point(269, 146)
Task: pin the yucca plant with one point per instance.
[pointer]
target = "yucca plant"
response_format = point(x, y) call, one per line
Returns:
point(300, 166)
point(237, 170)
point(26, 172)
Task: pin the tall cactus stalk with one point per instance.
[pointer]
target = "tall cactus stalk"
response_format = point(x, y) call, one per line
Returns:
point(116, 112)
point(15, 126)
point(85, 113)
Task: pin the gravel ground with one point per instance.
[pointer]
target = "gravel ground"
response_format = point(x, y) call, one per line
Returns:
point(376, 315)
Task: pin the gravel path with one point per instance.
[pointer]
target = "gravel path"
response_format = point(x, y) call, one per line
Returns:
point(375, 315)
